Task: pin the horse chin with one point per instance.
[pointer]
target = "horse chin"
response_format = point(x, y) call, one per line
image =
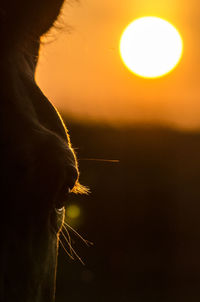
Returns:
point(29, 273)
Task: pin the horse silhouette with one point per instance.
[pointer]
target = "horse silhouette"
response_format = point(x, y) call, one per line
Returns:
point(38, 165)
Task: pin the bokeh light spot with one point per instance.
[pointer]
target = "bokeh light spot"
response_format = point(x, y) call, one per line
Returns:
point(73, 211)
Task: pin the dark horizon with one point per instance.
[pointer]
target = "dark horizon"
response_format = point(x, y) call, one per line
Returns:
point(142, 215)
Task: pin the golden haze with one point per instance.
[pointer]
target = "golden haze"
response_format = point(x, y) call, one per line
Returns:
point(83, 75)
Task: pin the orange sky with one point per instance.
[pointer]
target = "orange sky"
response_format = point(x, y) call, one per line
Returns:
point(82, 74)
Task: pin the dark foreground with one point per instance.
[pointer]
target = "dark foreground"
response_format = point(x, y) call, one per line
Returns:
point(143, 216)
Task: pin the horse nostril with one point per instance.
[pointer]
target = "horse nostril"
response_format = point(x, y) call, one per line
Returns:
point(68, 182)
point(71, 177)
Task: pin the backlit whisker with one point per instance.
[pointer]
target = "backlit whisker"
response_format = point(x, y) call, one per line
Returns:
point(88, 243)
point(73, 251)
point(68, 240)
point(65, 249)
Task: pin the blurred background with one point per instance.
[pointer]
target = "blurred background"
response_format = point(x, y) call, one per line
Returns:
point(143, 211)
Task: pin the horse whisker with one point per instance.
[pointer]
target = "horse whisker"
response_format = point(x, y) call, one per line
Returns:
point(65, 249)
point(73, 251)
point(66, 225)
point(69, 238)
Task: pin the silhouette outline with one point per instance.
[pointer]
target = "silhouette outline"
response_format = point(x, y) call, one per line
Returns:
point(38, 165)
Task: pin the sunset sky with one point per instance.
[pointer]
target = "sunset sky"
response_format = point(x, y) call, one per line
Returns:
point(81, 72)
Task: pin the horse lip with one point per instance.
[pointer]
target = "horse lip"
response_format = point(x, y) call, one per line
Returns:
point(60, 210)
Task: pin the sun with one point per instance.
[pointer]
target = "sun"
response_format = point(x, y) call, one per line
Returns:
point(151, 47)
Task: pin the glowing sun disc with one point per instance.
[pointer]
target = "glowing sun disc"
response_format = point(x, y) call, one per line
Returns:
point(151, 47)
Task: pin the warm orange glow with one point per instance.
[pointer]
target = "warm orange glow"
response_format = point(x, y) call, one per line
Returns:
point(81, 72)
point(150, 47)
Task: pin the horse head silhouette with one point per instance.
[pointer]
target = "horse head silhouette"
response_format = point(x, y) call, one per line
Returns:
point(38, 165)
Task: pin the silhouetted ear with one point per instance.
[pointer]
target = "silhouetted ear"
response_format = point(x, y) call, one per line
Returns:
point(28, 16)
